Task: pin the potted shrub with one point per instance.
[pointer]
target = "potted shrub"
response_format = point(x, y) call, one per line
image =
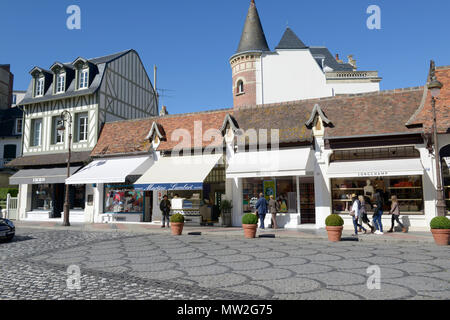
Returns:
point(334, 225)
point(225, 208)
point(250, 224)
point(177, 224)
point(440, 228)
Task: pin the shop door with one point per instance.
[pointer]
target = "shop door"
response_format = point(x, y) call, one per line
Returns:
point(58, 200)
point(307, 203)
point(148, 206)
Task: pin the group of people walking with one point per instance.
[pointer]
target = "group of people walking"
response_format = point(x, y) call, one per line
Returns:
point(360, 207)
point(263, 206)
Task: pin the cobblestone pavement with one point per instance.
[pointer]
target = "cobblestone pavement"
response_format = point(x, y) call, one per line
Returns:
point(120, 265)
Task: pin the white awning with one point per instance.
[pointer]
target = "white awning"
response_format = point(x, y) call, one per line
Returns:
point(112, 170)
point(276, 163)
point(378, 168)
point(178, 173)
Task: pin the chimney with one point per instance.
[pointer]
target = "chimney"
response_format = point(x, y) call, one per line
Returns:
point(337, 58)
point(163, 111)
point(352, 61)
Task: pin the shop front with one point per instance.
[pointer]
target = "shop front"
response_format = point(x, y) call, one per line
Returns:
point(194, 184)
point(115, 198)
point(46, 191)
point(403, 178)
point(287, 175)
point(445, 166)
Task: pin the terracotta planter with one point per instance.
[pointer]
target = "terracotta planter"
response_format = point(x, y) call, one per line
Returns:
point(250, 230)
point(334, 233)
point(177, 228)
point(441, 236)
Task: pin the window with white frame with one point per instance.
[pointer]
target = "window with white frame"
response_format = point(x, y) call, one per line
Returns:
point(83, 79)
point(39, 87)
point(14, 99)
point(58, 137)
point(60, 83)
point(82, 125)
point(19, 126)
point(36, 133)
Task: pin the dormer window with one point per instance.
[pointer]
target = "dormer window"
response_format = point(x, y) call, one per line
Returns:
point(60, 83)
point(39, 87)
point(83, 79)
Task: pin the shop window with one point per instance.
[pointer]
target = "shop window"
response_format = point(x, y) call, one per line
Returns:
point(42, 197)
point(77, 197)
point(123, 199)
point(375, 154)
point(445, 166)
point(408, 189)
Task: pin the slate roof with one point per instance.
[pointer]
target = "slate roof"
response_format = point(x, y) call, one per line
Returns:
point(253, 38)
point(8, 122)
point(48, 160)
point(424, 114)
point(129, 136)
point(100, 65)
point(330, 61)
point(290, 41)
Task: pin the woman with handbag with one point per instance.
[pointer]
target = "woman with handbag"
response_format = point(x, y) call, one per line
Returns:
point(273, 209)
point(395, 212)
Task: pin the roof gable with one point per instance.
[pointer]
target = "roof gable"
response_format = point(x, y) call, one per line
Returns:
point(290, 41)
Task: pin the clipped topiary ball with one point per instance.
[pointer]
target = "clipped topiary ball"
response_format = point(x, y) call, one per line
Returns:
point(440, 223)
point(178, 217)
point(250, 219)
point(334, 220)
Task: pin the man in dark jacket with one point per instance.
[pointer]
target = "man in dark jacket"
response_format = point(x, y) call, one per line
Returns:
point(261, 206)
point(165, 210)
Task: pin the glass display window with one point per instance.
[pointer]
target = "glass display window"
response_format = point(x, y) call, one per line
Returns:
point(446, 181)
point(42, 197)
point(123, 199)
point(408, 189)
point(77, 197)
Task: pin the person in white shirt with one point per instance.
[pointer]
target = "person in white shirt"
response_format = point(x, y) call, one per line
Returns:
point(355, 212)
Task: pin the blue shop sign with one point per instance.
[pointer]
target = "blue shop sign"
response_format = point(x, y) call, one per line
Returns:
point(169, 186)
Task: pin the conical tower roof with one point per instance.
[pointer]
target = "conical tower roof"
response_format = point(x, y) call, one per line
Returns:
point(290, 41)
point(253, 38)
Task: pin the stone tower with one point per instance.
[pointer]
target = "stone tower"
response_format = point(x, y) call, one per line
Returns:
point(245, 63)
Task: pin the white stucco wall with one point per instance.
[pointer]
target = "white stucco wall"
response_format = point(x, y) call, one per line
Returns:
point(353, 87)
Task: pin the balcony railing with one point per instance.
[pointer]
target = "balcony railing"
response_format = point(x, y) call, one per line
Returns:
point(341, 75)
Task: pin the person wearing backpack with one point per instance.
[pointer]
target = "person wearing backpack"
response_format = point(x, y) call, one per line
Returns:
point(395, 212)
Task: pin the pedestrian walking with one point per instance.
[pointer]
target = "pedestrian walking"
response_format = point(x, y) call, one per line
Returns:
point(355, 213)
point(261, 206)
point(165, 206)
point(378, 213)
point(363, 213)
point(273, 209)
point(395, 212)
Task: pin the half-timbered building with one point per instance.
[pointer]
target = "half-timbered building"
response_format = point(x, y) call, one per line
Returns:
point(94, 91)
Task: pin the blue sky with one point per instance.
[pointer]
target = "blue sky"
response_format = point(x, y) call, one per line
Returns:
point(192, 41)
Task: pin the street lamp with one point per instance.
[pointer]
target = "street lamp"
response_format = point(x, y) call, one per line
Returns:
point(66, 117)
point(435, 88)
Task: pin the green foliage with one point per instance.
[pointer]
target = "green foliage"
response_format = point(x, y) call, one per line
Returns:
point(250, 218)
point(178, 217)
point(226, 205)
point(440, 223)
point(4, 192)
point(334, 220)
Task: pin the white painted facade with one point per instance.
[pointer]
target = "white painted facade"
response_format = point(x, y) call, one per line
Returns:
point(294, 74)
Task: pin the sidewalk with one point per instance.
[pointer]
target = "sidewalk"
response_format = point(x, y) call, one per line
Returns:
point(321, 234)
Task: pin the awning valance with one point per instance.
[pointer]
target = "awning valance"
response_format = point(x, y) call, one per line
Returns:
point(274, 163)
point(112, 170)
point(41, 176)
point(178, 173)
point(378, 168)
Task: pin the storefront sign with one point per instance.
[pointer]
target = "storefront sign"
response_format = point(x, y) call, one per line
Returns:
point(373, 174)
point(38, 180)
point(170, 186)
